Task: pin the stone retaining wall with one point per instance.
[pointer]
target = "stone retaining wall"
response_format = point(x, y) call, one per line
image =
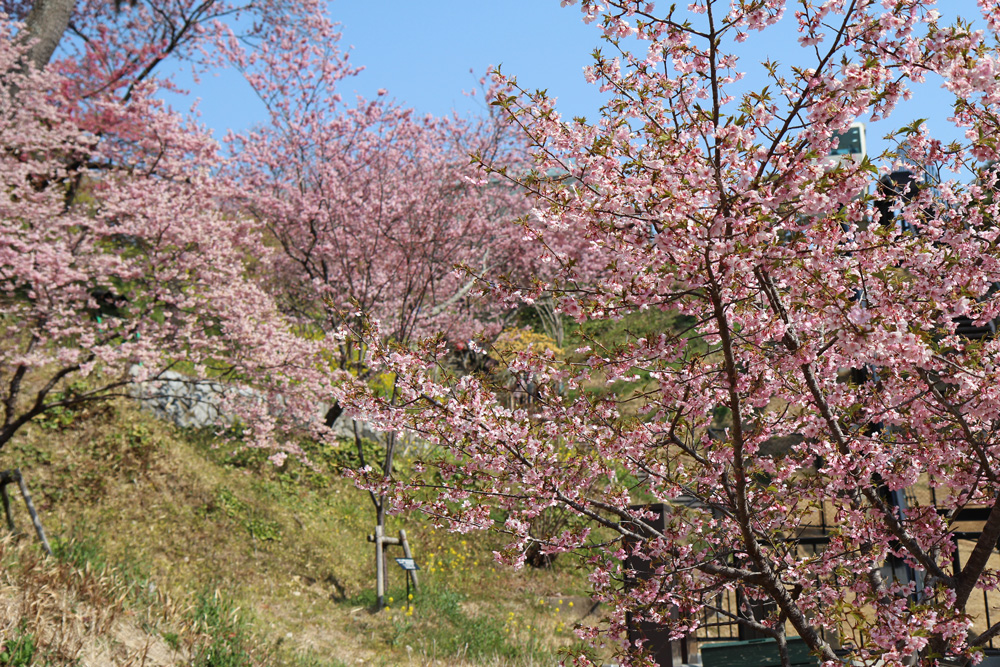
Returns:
point(187, 402)
point(192, 403)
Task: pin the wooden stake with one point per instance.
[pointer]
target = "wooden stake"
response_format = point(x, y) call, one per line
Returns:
point(381, 540)
point(10, 477)
point(34, 515)
point(379, 570)
point(406, 552)
point(6, 508)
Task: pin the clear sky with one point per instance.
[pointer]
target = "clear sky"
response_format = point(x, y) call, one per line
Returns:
point(422, 52)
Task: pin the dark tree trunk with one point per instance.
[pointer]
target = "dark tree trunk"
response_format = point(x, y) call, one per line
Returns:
point(332, 414)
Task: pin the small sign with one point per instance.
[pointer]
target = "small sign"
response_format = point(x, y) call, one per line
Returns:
point(407, 564)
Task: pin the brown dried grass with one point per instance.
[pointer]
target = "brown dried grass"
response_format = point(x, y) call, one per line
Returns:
point(77, 616)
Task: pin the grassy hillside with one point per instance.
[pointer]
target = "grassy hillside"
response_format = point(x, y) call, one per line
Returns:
point(178, 547)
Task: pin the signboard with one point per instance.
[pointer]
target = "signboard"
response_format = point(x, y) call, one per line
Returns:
point(407, 564)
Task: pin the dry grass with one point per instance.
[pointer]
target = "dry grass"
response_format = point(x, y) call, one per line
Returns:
point(74, 616)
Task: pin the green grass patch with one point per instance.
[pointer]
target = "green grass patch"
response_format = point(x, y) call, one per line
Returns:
point(19, 650)
point(449, 623)
point(226, 638)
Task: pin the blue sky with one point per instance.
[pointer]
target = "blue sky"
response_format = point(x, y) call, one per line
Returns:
point(422, 52)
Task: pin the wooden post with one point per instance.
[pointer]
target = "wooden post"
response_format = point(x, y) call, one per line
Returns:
point(381, 540)
point(6, 508)
point(379, 570)
point(9, 477)
point(406, 552)
point(34, 515)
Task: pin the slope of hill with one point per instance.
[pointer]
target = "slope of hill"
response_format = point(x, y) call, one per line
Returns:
point(178, 547)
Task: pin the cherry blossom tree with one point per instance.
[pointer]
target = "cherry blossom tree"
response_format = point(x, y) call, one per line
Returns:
point(122, 43)
point(704, 193)
point(372, 205)
point(116, 259)
point(378, 215)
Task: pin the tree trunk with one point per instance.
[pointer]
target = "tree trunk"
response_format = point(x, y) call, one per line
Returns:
point(45, 25)
point(330, 418)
